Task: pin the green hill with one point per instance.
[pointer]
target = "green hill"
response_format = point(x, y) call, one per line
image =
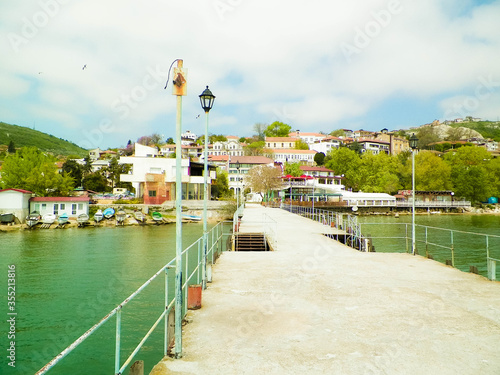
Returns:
point(24, 137)
point(488, 129)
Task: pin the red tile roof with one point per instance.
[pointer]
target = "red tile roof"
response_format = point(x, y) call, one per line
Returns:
point(18, 190)
point(60, 199)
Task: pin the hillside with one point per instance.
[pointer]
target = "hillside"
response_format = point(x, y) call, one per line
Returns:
point(24, 137)
point(488, 129)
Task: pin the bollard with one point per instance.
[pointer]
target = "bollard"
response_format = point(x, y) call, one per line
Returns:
point(194, 297)
point(137, 368)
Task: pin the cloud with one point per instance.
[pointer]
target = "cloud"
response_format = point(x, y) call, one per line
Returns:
point(322, 63)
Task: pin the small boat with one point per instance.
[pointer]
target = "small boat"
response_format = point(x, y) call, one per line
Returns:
point(139, 216)
point(191, 217)
point(109, 212)
point(7, 217)
point(120, 216)
point(33, 219)
point(98, 216)
point(82, 219)
point(63, 219)
point(49, 218)
point(157, 216)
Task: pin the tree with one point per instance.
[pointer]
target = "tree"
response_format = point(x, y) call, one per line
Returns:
point(260, 128)
point(74, 170)
point(355, 146)
point(431, 172)
point(277, 129)
point(255, 148)
point(113, 172)
point(32, 170)
point(170, 141)
point(455, 134)
point(11, 148)
point(338, 133)
point(293, 169)
point(263, 178)
point(221, 187)
point(301, 145)
point(319, 158)
point(96, 182)
point(427, 135)
point(471, 174)
point(242, 140)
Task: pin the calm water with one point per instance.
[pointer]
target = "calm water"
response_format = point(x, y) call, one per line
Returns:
point(67, 280)
point(469, 249)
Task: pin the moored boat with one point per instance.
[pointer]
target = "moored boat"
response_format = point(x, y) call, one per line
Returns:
point(33, 219)
point(139, 216)
point(49, 218)
point(157, 216)
point(98, 216)
point(82, 219)
point(109, 212)
point(7, 217)
point(120, 216)
point(63, 219)
point(191, 217)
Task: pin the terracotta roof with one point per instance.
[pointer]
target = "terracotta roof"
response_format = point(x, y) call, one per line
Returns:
point(60, 199)
point(362, 140)
point(218, 157)
point(281, 139)
point(18, 190)
point(292, 151)
point(314, 169)
point(294, 134)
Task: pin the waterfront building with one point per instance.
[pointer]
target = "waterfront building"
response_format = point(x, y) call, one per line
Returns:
point(72, 206)
point(281, 142)
point(294, 156)
point(15, 201)
point(308, 138)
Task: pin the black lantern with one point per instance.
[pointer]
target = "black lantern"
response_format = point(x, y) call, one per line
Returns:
point(237, 165)
point(413, 141)
point(207, 100)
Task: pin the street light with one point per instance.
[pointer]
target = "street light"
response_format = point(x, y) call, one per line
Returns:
point(207, 101)
point(413, 146)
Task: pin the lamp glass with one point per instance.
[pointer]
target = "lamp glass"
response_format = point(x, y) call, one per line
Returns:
point(207, 100)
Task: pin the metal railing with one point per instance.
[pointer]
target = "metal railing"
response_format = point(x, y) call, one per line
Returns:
point(441, 244)
point(215, 241)
point(344, 222)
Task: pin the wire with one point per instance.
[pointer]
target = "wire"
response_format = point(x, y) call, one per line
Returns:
point(169, 69)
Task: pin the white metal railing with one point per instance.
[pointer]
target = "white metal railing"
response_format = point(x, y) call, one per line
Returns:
point(215, 241)
point(434, 204)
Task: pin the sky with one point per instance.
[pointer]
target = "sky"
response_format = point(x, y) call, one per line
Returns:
point(94, 72)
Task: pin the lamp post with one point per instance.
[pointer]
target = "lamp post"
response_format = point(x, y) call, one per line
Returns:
point(207, 101)
point(238, 165)
point(413, 146)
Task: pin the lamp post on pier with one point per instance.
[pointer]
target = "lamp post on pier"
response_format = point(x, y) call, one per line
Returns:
point(207, 102)
point(413, 146)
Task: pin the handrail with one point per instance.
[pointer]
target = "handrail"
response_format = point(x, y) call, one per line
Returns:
point(217, 235)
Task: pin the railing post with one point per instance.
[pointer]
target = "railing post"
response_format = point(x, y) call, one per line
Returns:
point(492, 269)
point(406, 237)
point(452, 250)
point(203, 267)
point(165, 341)
point(117, 341)
point(426, 244)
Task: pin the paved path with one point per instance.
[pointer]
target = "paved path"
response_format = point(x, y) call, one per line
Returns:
point(315, 306)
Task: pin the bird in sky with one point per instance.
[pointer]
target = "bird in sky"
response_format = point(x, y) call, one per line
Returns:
point(84, 67)
point(197, 116)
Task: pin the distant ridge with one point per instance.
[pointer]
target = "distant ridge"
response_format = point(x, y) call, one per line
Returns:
point(25, 137)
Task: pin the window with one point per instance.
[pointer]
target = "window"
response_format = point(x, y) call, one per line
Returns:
point(44, 206)
point(56, 209)
point(152, 193)
point(73, 209)
point(62, 206)
point(80, 206)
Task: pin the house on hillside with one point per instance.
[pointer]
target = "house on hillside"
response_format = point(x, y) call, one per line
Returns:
point(239, 167)
point(15, 201)
point(281, 142)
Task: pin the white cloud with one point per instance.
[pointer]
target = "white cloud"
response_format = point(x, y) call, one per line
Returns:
point(264, 61)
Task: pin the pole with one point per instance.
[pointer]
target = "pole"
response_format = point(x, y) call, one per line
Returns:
point(205, 203)
point(413, 248)
point(178, 224)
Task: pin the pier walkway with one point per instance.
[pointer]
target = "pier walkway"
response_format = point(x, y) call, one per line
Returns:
point(315, 306)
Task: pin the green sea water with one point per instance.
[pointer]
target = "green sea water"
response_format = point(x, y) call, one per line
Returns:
point(465, 233)
point(67, 280)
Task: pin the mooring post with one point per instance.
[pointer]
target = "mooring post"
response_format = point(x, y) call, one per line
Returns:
point(137, 368)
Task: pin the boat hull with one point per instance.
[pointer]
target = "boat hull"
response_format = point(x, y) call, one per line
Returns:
point(6, 218)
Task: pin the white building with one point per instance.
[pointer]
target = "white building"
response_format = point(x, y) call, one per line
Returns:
point(375, 146)
point(187, 138)
point(326, 145)
point(73, 206)
point(308, 138)
point(15, 201)
point(230, 147)
point(239, 167)
point(294, 156)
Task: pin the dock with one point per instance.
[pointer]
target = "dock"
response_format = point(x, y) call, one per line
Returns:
point(316, 306)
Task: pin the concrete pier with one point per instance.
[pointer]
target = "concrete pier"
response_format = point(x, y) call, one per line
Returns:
point(315, 306)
